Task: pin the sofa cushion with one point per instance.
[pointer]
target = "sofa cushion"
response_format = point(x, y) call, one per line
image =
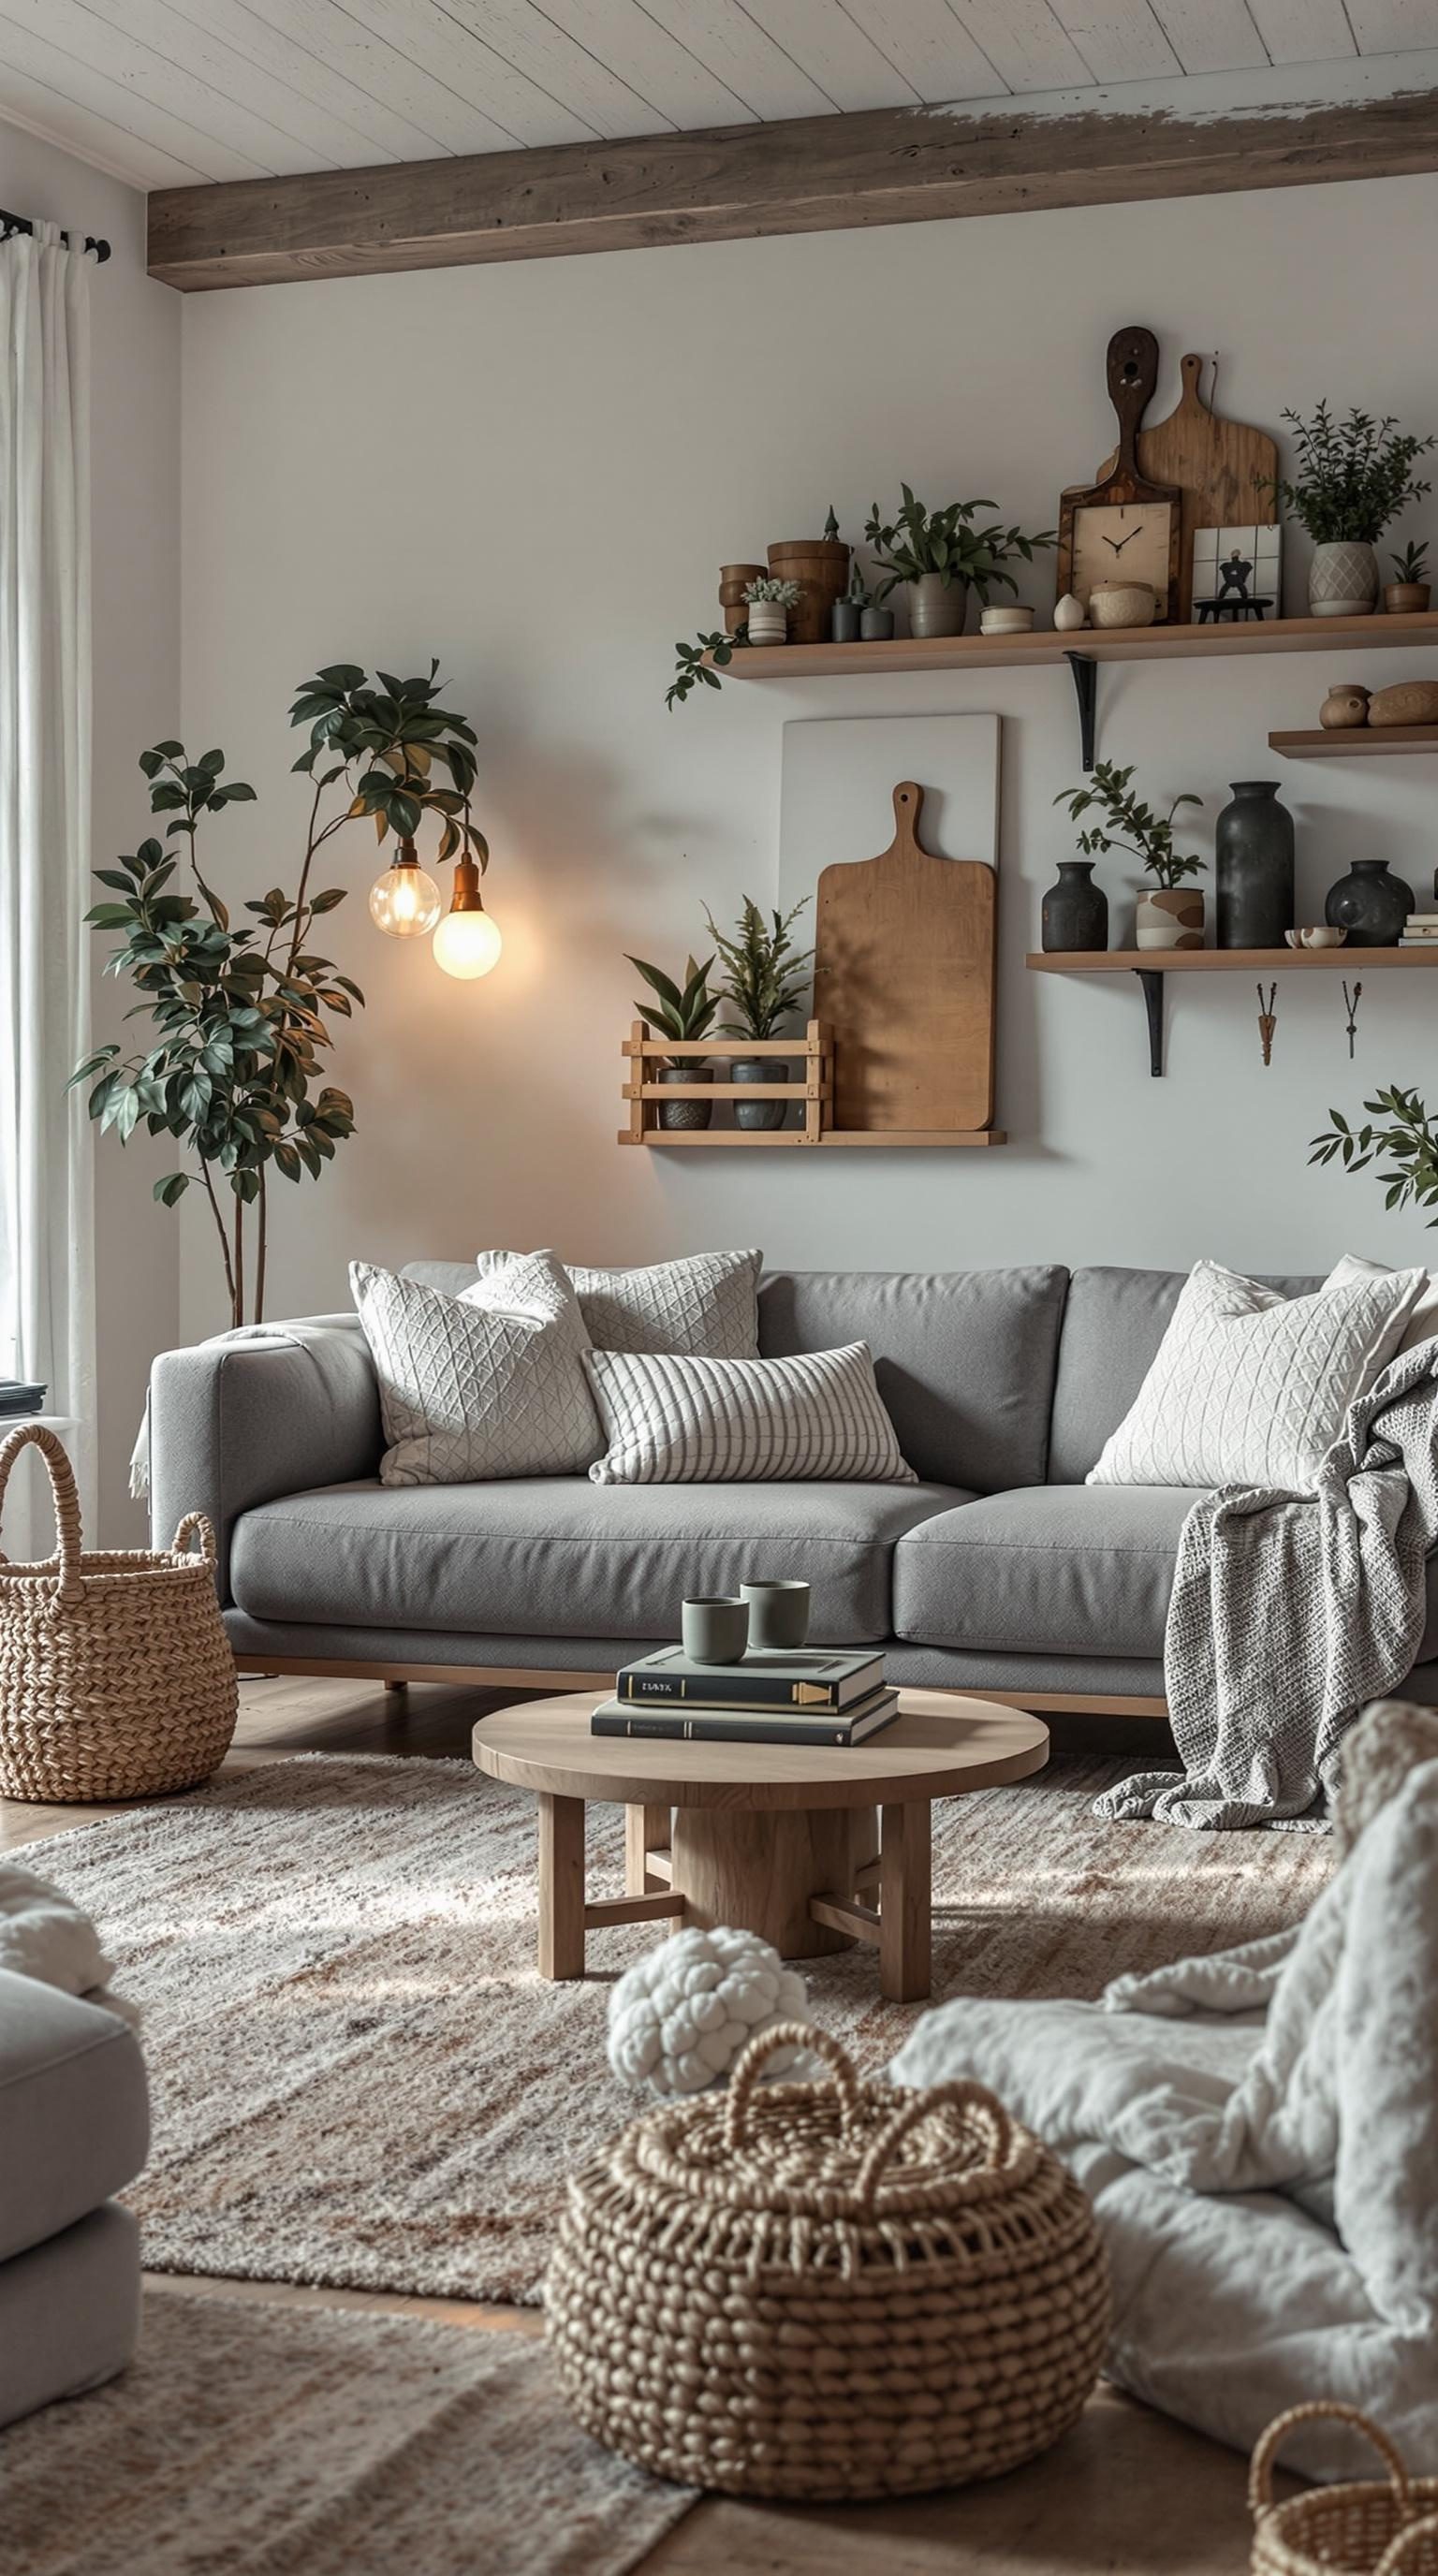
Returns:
point(814, 1418)
point(558, 1556)
point(74, 2110)
point(1051, 1569)
point(1113, 1323)
point(965, 1359)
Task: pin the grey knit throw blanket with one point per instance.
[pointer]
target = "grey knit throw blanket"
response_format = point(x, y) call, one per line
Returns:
point(1290, 1611)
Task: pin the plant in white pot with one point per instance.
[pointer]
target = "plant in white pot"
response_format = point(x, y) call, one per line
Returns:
point(684, 1011)
point(1351, 478)
point(1170, 915)
point(769, 604)
point(940, 556)
point(765, 980)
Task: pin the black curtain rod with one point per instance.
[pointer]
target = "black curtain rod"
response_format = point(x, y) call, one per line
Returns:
point(23, 224)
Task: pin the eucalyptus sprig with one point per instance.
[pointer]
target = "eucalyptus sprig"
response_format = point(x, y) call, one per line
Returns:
point(691, 666)
point(765, 975)
point(1407, 1142)
point(1129, 824)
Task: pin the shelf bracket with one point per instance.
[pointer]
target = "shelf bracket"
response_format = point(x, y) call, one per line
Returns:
point(1085, 677)
point(1151, 978)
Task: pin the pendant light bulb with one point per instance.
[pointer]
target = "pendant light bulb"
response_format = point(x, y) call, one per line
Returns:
point(467, 943)
point(404, 903)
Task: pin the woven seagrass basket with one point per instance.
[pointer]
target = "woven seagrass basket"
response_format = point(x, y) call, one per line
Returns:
point(116, 1677)
point(1370, 2527)
point(828, 2290)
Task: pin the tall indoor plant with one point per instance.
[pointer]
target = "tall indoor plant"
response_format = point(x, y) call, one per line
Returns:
point(765, 980)
point(1350, 479)
point(940, 556)
point(242, 1015)
point(1171, 917)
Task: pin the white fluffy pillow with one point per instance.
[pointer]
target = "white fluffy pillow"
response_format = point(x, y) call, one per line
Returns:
point(670, 1420)
point(707, 1304)
point(1421, 1321)
point(488, 1384)
point(1250, 1387)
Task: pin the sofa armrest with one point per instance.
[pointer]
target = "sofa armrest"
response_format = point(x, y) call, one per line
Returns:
point(233, 1424)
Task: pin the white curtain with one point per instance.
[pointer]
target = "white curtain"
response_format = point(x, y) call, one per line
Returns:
point(47, 1300)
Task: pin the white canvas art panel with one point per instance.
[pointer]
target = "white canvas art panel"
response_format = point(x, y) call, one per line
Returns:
point(1232, 564)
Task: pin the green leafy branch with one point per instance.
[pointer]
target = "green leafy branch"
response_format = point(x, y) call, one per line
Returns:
point(1129, 824)
point(1407, 1144)
point(692, 667)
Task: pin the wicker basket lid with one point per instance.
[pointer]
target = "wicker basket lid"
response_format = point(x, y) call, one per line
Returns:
point(838, 2173)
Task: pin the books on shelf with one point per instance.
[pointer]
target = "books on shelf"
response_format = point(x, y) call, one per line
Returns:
point(694, 1724)
point(804, 1678)
point(19, 1399)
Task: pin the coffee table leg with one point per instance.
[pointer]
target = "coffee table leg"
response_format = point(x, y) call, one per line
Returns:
point(561, 1886)
point(905, 1969)
point(646, 1829)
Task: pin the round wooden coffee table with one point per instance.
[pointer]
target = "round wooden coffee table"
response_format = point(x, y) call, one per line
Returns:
point(784, 1839)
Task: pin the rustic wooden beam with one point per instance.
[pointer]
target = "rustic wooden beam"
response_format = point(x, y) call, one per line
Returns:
point(810, 174)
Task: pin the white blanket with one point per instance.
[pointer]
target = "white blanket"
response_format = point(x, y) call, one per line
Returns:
point(1259, 2134)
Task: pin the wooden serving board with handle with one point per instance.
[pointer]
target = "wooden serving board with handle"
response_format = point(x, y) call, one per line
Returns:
point(1213, 461)
point(904, 950)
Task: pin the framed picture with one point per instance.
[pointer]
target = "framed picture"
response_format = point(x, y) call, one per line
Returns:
point(1236, 570)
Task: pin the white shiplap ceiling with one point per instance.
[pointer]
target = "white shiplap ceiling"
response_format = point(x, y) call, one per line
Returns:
point(168, 92)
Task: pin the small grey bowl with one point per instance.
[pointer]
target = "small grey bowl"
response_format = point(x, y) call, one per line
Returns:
point(715, 1628)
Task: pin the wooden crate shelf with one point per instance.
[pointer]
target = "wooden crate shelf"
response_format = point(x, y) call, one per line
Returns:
point(815, 1093)
point(1355, 742)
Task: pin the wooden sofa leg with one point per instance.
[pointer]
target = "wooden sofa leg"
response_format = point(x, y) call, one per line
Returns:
point(397, 1693)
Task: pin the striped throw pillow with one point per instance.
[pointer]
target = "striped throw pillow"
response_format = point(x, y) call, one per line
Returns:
point(674, 1420)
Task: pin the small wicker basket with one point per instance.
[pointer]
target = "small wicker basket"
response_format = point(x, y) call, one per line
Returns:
point(829, 2290)
point(1370, 2527)
point(116, 1676)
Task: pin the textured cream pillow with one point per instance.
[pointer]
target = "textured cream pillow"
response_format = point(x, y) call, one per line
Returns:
point(485, 1385)
point(1250, 1387)
point(706, 1303)
point(1420, 1323)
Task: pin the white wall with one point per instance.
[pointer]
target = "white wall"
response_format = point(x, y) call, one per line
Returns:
point(135, 512)
point(534, 471)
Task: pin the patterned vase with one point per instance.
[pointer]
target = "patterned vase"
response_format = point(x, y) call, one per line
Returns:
point(1370, 904)
point(1075, 911)
point(1343, 581)
point(1170, 917)
point(681, 1117)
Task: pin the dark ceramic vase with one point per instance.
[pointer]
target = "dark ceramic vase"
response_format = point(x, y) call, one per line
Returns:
point(1253, 852)
point(844, 621)
point(682, 1117)
point(1075, 911)
point(762, 1114)
point(876, 625)
point(1371, 904)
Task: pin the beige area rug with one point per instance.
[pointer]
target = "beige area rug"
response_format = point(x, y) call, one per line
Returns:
point(360, 2078)
point(247, 2438)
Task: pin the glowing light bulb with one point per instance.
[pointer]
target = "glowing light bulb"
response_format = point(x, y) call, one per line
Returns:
point(467, 944)
point(404, 903)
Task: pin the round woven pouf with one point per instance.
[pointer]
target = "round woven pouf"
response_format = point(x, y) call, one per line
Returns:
point(827, 2291)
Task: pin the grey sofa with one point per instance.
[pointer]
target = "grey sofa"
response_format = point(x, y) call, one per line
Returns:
point(74, 2127)
point(1000, 1571)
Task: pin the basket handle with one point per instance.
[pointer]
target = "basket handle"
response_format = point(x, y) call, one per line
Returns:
point(1396, 2555)
point(197, 1525)
point(71, 1589)
point(1260, 2473)
point(961, 2096)
point(786, 2034)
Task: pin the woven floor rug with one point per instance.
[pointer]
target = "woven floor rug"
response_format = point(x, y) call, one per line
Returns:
point(360, 2078)
point(253, 2438)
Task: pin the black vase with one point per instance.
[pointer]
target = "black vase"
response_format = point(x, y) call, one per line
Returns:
point(1075, 911)
point(1371, 904)
point(1253, 851)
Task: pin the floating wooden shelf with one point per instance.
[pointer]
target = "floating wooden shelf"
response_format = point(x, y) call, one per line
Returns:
point(816, 1092)
point(1355, 742)
point(1152, 965)
point(1096, 644)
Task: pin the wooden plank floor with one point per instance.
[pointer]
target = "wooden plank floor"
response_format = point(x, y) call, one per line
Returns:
point(1127, 2492)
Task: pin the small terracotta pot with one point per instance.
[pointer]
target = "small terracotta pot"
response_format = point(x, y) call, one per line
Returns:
point(1407, 598)
point(1170, 917)
point(734, 580)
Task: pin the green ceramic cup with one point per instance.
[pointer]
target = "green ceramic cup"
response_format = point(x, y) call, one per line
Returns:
point(778, 1613)
point(715, 1628)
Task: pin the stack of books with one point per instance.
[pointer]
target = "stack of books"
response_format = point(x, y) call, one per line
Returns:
point(19, 1401)
point(812, 1695)
point(1420, 930)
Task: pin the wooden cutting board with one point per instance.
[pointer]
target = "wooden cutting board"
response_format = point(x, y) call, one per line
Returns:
point(1213, 461)
point(904, 949)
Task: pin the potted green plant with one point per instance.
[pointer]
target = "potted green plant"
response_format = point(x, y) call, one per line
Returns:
point(1351, 478)
point(765, 979)
point(681, 1011)
point(770, 601)
point(940, 556)
point(1171, 916)
point(1408, 594)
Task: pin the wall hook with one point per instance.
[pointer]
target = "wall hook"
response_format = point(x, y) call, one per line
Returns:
point(1351, 1001)
point(1267, 1021)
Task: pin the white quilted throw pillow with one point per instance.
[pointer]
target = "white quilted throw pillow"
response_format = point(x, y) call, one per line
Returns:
point(671, 1420)
point(484, 1385)
point(706, 1303)
point(1250, 1387)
